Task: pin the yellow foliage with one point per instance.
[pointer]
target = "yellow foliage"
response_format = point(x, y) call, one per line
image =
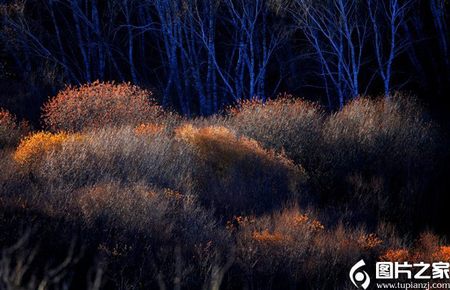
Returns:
point(36, 145)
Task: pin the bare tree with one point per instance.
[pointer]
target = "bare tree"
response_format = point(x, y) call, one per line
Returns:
point(337, 31)
point(387, 17)
point(18, 268)
point(253, 45)
point(438, 11)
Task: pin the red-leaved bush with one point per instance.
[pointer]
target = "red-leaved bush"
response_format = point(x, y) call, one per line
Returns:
point(98, 105)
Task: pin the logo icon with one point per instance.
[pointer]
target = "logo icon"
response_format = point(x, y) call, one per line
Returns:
point(359, 278)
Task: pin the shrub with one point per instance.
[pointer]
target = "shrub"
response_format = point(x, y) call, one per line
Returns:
point(172, 228)
point(372, 156)
point(296, 249)
point(288, 124)
point(164, 215)
point(383, 149)
point(128, 228)
point(116, 154)
point(427, 248)
point(236, 174)
point(369, 241)
point(33, 147)
point(442, 254)
point(14, 182)
point(273, 245)
point(233, 174)
point(222, 144)
point(149, 197)
point(98, 105)
point(11, 130)
point(381, 134)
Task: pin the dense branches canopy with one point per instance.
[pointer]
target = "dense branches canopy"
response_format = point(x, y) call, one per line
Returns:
point(199, 56)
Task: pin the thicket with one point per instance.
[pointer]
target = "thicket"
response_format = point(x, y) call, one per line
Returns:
point(378, 153)
point(276, 195)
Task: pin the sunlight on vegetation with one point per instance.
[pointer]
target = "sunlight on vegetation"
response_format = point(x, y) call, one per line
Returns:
point(270, 190)
point(33, 147)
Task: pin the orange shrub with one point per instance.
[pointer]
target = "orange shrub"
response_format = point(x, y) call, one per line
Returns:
point(371, 148)
point(427, 248)
point(293, 219)
point(332, 253)
point(236, 173)
point(10, 129)
point(225, 144)
point(292, 243)
point(231, 174)
point(99, 104)
point(35, 146)
point(399, 255)
point(123, 206)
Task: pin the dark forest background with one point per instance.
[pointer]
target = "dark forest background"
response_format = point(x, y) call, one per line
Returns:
point(198, 56)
